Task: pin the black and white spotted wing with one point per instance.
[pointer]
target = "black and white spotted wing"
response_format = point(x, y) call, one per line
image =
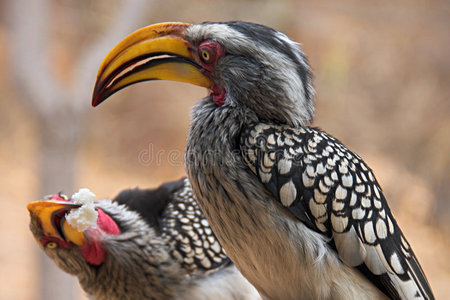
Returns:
point(172, 211)
point(193, 241)
point(332, 191)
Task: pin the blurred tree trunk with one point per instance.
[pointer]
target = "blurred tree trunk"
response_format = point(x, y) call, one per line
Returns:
point(60, 109)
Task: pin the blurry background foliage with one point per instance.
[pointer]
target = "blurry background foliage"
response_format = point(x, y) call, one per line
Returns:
point(382, 73)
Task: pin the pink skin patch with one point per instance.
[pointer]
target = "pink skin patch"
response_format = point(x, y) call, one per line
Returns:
point(93, 250)
point(218, 95)
point(58, 197)
point(106, 223)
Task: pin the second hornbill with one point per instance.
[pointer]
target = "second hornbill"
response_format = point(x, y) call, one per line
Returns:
point(147, 244)
point(301, 216)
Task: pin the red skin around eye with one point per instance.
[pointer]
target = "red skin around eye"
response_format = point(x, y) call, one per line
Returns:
point(61, 244)
point(215, 51)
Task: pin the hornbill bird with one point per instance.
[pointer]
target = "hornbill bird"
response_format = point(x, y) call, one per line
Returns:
point(148, 244)
point(300, 215)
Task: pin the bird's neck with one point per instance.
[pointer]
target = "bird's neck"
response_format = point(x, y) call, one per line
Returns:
point(214, 126)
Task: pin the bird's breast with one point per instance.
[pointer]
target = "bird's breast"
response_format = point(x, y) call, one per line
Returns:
point(253, 229)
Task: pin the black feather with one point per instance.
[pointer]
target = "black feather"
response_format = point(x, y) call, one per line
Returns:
point(150, 203)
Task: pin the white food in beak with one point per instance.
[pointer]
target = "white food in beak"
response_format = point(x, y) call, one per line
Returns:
point(85, 216)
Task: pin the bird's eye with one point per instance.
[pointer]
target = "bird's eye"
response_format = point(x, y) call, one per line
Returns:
point(51, 245)
point(204, 54)
point(209, 53)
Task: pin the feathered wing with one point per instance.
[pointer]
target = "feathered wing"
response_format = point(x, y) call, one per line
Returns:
point(194, 241)
point(332, 191)
point(173, 211)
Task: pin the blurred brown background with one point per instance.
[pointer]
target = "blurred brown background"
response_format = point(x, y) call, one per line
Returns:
point(382, 73)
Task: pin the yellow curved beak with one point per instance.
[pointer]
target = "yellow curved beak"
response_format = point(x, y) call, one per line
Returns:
point(46, 212)
point(154, 52)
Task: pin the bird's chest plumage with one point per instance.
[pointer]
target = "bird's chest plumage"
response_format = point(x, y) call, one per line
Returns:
point(243, 214)
point(233, 219)
point(248, 227)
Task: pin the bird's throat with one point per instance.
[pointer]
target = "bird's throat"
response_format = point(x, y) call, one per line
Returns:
point(93, 251)
point(218, 95)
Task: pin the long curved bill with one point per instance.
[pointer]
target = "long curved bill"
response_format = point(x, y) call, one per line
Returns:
point(50, 214)
point(154, 52)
